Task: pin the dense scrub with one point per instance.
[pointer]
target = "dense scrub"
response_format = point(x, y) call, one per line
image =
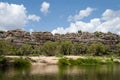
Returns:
point(64, 47)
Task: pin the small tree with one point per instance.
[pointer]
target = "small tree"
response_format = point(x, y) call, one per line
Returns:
point(66, 47)
point(79, 31)
point(49, 48)
point(36, 49)
point(97, 34)
point(5, 48)
point(25, 49)
point(118, 49)
point(79, 48)
point(98, 48)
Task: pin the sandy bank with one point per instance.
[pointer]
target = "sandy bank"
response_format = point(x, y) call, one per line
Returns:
point(49, 60)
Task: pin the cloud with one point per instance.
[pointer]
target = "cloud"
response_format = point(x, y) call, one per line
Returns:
point(13, 16)
point(44, 7)
point(109, 21)
point(33, 17)
point(82, 14)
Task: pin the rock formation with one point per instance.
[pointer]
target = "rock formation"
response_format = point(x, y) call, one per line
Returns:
point(19, 37)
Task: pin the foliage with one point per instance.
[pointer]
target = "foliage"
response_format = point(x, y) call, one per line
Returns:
point(3, 60)
point(25, 49)
point(118, 49)
point(88, 61)
point(79, 31)
point(63, 61)
point(98, 48)
point(36, 50)
point(49, 48)
point(5, 48)
point(79, 49)
point(20, 62)
point(1, 31)
point(66, 47)
point(97, 34)
point(85, 61)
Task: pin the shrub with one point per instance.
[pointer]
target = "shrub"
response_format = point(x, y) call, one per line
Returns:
point(66, 47)
point(79, 48)
point(79, 31)
point(49, 48)
point(3, 61)
point(88, 61)
point(20, 62)
point(63, 61)
point(98, 48)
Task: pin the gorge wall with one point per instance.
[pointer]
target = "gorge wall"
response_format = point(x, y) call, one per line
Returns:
point(19, 37)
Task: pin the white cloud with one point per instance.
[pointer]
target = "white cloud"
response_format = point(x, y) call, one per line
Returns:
point(33, 17)
point(82, 14)
point(110, 21)
point(13, 16)
point(44, 7)
point(110, 14)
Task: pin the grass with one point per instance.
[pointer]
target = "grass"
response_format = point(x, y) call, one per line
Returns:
point(85, 61)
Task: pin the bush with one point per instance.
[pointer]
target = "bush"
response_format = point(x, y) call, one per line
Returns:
point(88, 61)
point(79, 48)
point(20, 62)
point(49, 48)
point(98, 48)
point(85, 61)
point(63, 61)
point(79, 31)
point(66, 47)
point(3, 61)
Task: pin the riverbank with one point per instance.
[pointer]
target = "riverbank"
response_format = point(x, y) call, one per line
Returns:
point(53, 60)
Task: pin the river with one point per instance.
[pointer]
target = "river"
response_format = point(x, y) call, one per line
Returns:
point(54, 72)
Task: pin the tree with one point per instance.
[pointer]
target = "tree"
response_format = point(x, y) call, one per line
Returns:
point(97, 34)
point(5, 48)
point(25, 49)
point(79, 31)
point(79, 48)
point(118, 49)
point(66, 47)
point(49, 48)
point(36, 49)
point(98, 48)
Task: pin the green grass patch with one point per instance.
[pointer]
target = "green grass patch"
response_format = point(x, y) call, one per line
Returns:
point(85, 61)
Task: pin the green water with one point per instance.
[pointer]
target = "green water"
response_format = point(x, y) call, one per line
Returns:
point(54, 72)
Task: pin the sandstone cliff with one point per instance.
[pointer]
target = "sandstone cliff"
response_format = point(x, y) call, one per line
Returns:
point(19, 37)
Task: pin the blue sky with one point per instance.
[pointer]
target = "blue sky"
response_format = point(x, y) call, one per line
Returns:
point(55, 15)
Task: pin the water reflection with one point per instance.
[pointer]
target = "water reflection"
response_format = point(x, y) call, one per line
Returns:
point(54, 72)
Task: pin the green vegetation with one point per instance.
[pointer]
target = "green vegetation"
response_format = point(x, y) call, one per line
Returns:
point(49, 48)
point(98, 48)
point(97, 34)
point(3, 61)
point(5, 48)
point(59, 48)
point(85, 61)
point(66, 47)
point(20, 62)
point(79, 31)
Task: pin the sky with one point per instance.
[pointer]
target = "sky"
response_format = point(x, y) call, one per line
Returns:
point(60, 16)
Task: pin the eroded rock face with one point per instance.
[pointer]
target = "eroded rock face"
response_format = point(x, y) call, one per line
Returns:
point(19, 37)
